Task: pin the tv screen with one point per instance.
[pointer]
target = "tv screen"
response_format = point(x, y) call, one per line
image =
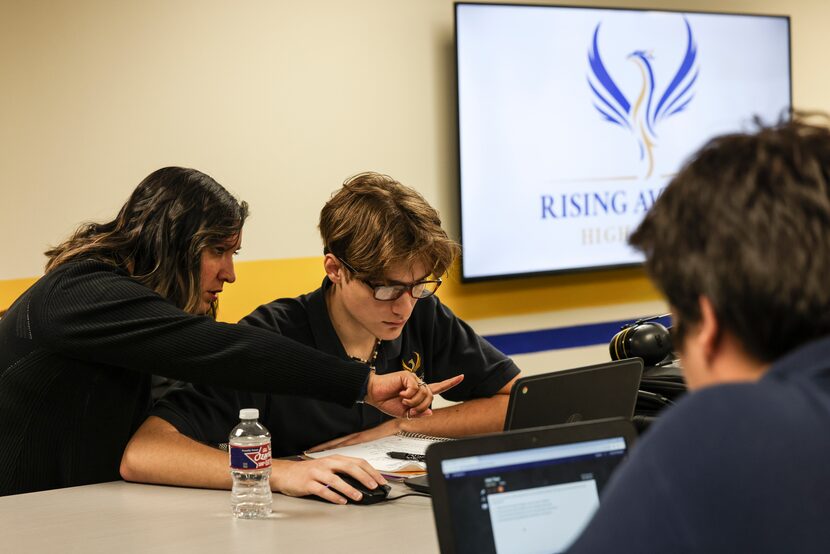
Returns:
point(572, 121)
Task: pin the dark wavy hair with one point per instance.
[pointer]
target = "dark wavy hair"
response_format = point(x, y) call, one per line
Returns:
point(746, 223)
point(159, 234)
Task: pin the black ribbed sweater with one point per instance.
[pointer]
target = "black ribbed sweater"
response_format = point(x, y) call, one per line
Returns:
point(76, 354)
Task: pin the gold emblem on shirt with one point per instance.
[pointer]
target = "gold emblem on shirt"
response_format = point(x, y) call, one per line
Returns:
point(413, 365)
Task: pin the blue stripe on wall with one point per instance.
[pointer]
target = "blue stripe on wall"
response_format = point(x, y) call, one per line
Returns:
point(560, 337)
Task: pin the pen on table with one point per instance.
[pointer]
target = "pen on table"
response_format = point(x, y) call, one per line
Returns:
point(407, 456)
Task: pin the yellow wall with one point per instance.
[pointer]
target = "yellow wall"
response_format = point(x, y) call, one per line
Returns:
point(11, 289)
point(261, 281)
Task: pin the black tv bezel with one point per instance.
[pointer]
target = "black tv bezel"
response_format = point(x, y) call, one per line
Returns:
point(582, 269)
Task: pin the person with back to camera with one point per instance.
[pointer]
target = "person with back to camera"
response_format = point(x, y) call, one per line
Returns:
point(384, 254)
point(126, 299)
point(739, 243)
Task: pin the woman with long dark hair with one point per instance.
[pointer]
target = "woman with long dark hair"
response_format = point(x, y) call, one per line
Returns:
point(123, 300)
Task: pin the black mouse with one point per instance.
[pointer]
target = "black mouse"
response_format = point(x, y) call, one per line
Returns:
point(370, 496)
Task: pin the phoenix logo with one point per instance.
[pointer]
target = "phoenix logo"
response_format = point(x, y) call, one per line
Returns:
point(413, 365)
point(642, 115)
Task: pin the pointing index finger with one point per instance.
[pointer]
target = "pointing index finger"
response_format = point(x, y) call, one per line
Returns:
point(445, 385)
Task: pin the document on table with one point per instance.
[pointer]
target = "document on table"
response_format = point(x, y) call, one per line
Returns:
point(375, 451)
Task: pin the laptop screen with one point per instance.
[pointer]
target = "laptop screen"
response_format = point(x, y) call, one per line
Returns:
point(530, 500)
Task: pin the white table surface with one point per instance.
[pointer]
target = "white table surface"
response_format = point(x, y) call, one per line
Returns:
point(121, 517)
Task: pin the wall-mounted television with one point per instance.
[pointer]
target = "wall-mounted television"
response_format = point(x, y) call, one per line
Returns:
point(572, 120)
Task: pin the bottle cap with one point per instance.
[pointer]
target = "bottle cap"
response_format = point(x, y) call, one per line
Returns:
point(249, 413)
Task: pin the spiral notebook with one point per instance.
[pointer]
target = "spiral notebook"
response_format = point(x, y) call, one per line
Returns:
point(375, 451)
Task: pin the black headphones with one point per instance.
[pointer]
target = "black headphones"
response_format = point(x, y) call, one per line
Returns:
point(645, 338)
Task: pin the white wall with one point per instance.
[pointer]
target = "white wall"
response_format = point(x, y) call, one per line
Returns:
point(279, 101)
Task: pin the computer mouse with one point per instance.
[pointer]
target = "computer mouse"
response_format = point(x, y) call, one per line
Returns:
point(370, 496)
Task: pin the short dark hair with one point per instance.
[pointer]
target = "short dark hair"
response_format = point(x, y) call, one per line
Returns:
point(746, 223)
point(160, 232)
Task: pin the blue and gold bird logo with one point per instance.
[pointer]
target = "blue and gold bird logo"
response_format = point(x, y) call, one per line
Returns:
point(653, 103)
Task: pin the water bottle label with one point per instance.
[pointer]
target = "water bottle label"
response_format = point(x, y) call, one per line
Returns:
point(250, 457)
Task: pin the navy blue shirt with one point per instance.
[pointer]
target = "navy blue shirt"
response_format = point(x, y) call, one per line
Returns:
point(731, 468)
point(434, 342)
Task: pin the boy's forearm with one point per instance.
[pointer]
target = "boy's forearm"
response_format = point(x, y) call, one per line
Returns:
point(480, 415)
point(159, 454)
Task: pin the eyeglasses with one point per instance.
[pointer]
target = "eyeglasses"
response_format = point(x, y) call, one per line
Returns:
point(387, 293)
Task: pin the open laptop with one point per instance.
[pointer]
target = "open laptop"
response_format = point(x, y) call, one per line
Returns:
point(532, 490)
point(581, 394)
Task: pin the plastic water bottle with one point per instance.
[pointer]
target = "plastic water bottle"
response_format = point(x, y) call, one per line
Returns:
point(250, 459)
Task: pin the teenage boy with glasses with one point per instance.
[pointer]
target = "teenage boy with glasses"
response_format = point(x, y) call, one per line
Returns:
point(384, 254)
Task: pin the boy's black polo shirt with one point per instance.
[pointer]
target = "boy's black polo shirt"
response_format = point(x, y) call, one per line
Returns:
point(434, 340)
